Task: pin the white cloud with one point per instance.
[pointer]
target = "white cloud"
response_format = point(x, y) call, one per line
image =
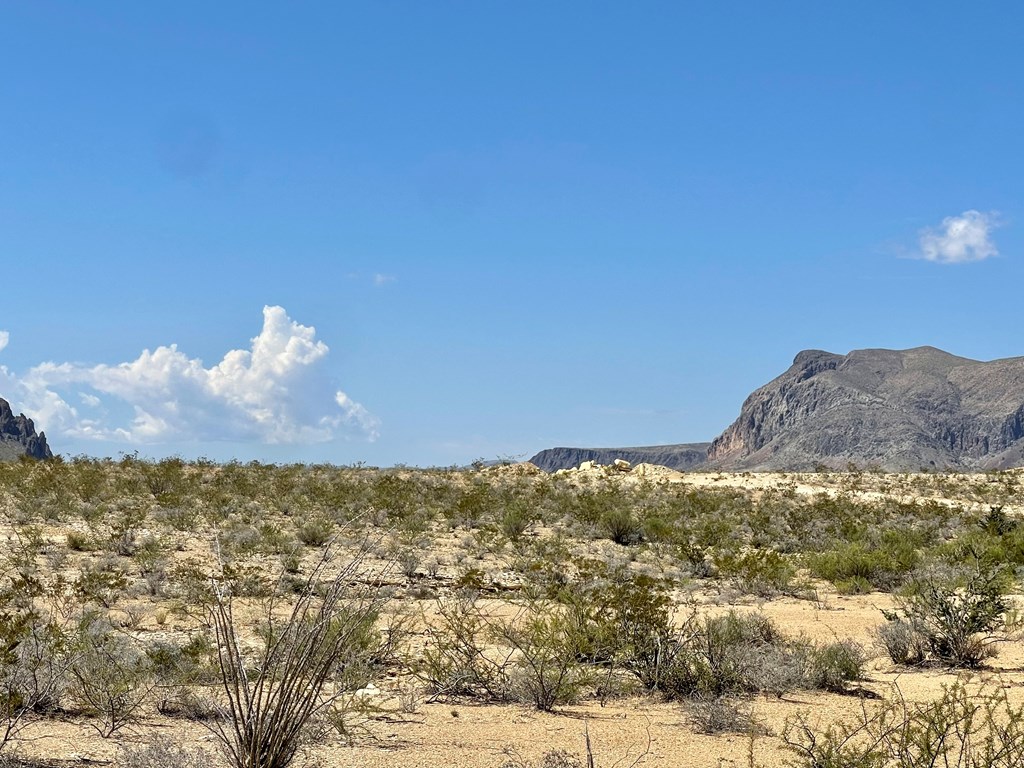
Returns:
point(380, 279)
point(277, 391)
point(960, 239)
point(5, 337)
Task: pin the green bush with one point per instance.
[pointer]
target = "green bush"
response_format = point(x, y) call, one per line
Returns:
point(953, 611)
point(762, 572)
point(80, 542)
point(621, 526)
point(33, 666)
point(855, 566)
point(315, 531)
point(834, 666)
point(544, 671)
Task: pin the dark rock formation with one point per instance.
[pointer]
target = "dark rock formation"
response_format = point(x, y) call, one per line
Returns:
point(18, 436)
point(894, 409)
point(681, 457)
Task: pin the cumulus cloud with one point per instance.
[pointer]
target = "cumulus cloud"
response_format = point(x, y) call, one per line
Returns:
point(276, 391)
point(959, 239)
point(5, 337)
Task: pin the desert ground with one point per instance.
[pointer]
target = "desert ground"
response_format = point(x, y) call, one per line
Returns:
point(123, 561)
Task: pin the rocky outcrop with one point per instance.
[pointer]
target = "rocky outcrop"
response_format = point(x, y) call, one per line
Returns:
point(681, 457)
point(18, 436)
point(894, 409)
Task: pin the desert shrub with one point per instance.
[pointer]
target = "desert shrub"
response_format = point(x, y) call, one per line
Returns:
point(183, 519)
point(729, 644)
point(556, 758)
point(246, 580)
point(190, 584)
point(955, 610)
point(905, 642)
point(655, 528)
point(409, 561)
point(315, 531)
point(745, 653)
point(514, 522)
point(997, 522)
point(835, 665)
point(177, 665)
point(855, 585)
point(239, 539)
point(100, 583)
point(961, 729)
point(185, 704)
point(33, 667)
point(856, 567)
point(161, 753)
point(533, 656)
point(453, 661)
point(80, 542)
point(545, 671)
point(125, 520)
point(621, 526)
point(721, 714)
point(762, 572)
point(112, 678)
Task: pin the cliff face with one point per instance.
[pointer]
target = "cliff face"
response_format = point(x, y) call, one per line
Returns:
point(681, 457)
point(18, 436)
point(896, 409)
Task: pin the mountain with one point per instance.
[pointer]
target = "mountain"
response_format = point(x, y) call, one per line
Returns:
point(908, 409)
point(683, 456)
point(18, 436)
point(894, 409)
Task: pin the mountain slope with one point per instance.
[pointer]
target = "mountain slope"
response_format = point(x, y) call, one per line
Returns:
point(18, 436)
point(896, 409)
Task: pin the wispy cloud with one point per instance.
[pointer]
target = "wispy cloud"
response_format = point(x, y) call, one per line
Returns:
point(960, 239)
point(380, 279)
point(277, 391)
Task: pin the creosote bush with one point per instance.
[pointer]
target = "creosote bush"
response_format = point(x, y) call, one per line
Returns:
point(947, 614)
point(112, 676)
point(960, 728)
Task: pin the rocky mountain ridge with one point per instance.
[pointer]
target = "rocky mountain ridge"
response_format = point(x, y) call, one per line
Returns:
point(894, 409)
point(18, 436)
point(898, 410)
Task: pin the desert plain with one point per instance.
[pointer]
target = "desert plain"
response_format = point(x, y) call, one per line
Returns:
point(564, 581)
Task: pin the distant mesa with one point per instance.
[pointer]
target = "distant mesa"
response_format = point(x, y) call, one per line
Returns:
point(18, 436)
point(897, 410)
point(681, 457)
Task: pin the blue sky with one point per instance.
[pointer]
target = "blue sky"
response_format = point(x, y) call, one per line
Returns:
point(511, 225)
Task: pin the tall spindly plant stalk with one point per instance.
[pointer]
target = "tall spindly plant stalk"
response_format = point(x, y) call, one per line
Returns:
point(303, 663)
